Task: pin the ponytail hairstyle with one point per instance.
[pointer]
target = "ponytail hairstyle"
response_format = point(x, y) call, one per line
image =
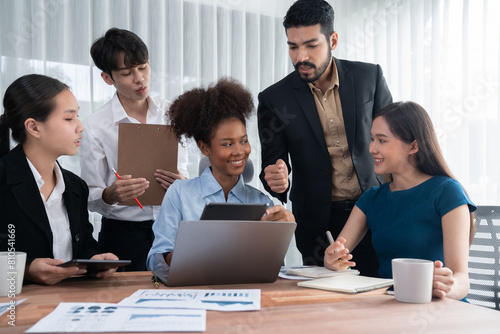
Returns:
point(409, 122)
point(30, 96)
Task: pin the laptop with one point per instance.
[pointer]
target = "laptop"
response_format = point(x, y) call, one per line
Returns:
point(227, 252)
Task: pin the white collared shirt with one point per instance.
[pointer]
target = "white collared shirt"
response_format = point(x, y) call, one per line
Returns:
point(99, 155)
point(57, 214)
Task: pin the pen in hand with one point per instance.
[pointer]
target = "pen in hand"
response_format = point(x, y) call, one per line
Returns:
point(331, 241)
point(330, 238)
point(119, 178)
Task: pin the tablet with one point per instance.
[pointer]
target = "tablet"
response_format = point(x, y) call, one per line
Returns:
point(95, 265)
point(234, 211)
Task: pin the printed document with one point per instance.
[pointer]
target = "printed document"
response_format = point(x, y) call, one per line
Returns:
point(214, 300)
point(105, 317)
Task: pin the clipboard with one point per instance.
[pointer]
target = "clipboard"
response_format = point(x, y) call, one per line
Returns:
point(142, 149)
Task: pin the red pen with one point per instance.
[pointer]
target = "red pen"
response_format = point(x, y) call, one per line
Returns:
point(119, 178)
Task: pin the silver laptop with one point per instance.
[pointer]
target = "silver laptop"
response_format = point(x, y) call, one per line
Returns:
point(227, 252)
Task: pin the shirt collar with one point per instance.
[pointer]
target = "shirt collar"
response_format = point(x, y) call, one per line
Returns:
point(334, 81)
point(210, 186)
point(120, 115)
point(60, 185)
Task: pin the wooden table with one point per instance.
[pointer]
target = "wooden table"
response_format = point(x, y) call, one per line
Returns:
point(286, 308)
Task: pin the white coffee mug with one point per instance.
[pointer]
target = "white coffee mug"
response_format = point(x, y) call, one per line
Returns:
point(11, 273)
point(412, 280)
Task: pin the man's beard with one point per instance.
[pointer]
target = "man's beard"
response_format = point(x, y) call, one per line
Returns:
point(319, 72)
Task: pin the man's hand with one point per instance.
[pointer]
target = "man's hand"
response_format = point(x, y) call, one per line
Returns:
point(165, 179)
point(276, 176)
point(124, 190)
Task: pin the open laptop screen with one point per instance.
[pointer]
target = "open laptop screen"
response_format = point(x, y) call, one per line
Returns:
point(228, 252)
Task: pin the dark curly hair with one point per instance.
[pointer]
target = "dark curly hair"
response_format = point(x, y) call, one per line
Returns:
point(198, 112)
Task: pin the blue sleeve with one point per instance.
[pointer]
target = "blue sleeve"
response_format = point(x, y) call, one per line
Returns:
point(269, 201)
point(165, 227)
point(363, 202)
point(453, 196)
point(254, 195)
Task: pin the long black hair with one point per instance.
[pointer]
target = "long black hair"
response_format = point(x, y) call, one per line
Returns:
point(30, 96)
point(409, 122)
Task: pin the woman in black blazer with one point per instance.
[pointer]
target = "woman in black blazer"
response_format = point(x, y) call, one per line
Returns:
point(45, 204)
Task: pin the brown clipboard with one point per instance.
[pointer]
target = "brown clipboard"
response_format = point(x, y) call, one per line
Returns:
point(142, 149)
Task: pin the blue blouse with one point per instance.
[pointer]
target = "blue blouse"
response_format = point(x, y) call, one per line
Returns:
point(407, 223)
point(185, 200)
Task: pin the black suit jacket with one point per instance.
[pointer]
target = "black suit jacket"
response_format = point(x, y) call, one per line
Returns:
point(22, 206)
point(289, 125)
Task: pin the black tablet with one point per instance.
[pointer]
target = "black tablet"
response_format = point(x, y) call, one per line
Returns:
point(233, 211)
point(95, 265)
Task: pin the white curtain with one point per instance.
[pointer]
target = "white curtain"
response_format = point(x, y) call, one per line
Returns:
point(443, 54)
point(191, 43)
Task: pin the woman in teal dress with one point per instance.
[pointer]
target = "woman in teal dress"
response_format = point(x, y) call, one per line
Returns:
point(421, 212)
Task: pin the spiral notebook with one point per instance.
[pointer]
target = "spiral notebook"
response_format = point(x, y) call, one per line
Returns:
point(347, 283)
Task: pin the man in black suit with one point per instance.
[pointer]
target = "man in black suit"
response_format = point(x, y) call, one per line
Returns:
point(320, 116)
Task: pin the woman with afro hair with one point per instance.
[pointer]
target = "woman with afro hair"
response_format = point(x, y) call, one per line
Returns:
point(216, 118)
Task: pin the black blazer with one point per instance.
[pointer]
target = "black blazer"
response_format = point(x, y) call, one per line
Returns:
point(289, 125)
point(22, 206)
